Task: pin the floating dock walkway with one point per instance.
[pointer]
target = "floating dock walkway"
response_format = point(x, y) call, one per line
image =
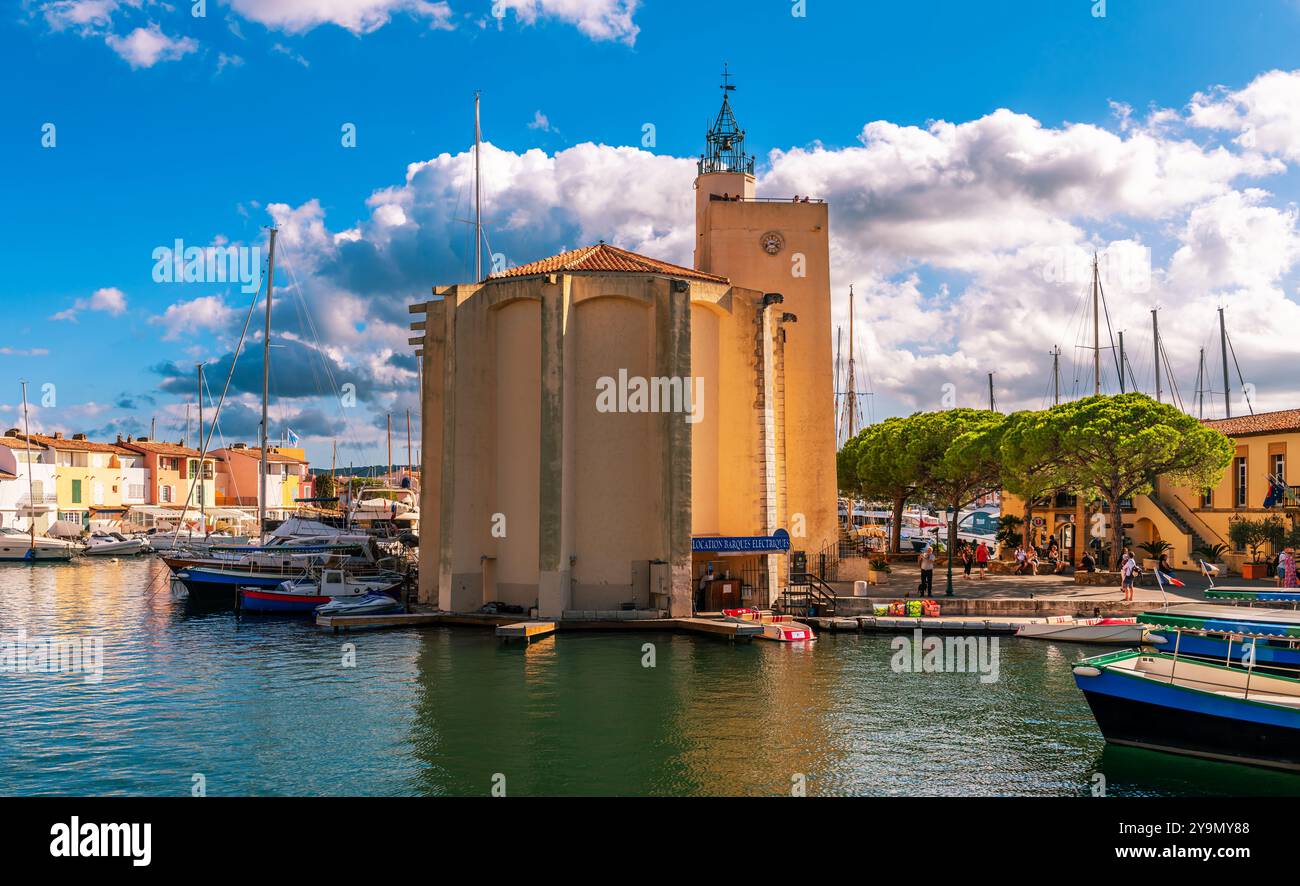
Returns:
point(528, 631)
point(510, 627)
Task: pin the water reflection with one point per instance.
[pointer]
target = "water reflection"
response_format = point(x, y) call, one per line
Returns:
point(271, 706)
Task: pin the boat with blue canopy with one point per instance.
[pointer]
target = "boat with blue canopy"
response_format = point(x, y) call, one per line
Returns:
point(1229, 634)
point(1246, 595)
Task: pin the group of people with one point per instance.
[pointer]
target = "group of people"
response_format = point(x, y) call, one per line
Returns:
point(971, 556)
point(1028, 560)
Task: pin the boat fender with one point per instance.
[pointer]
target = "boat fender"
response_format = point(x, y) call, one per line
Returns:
point(1086, 671)
point(1156, 639)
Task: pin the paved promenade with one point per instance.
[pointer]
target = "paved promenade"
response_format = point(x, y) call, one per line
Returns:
point(905, 578)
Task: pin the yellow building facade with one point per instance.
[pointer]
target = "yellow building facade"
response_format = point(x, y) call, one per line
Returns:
point(1267, 445)
point(598, 425)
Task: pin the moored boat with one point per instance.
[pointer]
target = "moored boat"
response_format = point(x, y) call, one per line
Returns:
point(1192, 707)
point(304, 595)
point(1270, 638)
point(781, 628)
point(1250, 595)
point(16, 546)
point(369, 604)
point(1119, 631)
point(114, 544)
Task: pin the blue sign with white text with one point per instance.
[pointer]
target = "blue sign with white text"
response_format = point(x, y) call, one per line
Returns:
point(777, 541)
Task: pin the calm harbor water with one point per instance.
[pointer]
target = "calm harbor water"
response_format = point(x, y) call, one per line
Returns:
point(264, 706)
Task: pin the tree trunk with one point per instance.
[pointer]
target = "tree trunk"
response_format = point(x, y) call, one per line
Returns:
point(1027, 530)
point(896, 525)
point(1117, 532)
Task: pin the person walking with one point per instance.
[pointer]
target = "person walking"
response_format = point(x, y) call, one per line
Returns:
point(967, 560)
point(1129, 572)
point(1287, 568)
point(927, 571)
point(982, 558)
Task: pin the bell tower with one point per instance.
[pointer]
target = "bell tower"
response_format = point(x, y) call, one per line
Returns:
point(779, 245)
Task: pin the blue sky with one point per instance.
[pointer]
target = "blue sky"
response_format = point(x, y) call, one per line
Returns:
point(151, 148)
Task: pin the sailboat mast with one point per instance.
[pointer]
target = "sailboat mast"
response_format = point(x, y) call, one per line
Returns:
point(1056, 375)
point(203, 513)
point(266, 383)
point(1155, 337)
point(409, 463)
point(1200, 385)
point(1096, 327)
point(389, 477)
point(839, 394)
point(31, 486)
point(1223, 342)
point(1123, 365)
point(852, 399)
point(478, 198)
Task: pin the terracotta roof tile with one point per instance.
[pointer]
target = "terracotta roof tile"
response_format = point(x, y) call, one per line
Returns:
point(68, 444)
point(604, 259)
point(19, 443)
point(161, 448)
point(271, 456)
point(1283, 421)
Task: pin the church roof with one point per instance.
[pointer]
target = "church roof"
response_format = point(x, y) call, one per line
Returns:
point(604, 259)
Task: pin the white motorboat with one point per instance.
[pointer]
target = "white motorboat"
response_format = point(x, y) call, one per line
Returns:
point(336, 583)
point(18, 546)
point(370, 604)
point(1118, 631)
point(115, 544)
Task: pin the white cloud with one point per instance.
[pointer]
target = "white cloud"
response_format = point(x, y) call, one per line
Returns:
point(1265, 114)
point(949, 231)
point(108, 300)
point(598, 19)
point(357, 16)
point(208, 313)
point(145, 47)
point(78, 14)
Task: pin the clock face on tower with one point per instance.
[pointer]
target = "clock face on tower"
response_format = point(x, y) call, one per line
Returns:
point(772, 242)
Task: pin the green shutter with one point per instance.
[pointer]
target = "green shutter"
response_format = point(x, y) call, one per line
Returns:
point(76, 492)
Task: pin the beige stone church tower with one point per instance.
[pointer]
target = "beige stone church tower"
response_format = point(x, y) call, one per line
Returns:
point(539, 490)
point(779, 245)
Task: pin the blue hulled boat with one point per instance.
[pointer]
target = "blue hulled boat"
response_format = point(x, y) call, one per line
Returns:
point(210, 584)
point(1229, 634)
point(1193, 707)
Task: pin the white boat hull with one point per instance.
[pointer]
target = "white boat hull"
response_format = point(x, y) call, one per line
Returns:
point(15, 553)
point(1086, 631)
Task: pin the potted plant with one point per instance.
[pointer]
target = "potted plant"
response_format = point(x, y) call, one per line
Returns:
point(1252, 535)
point(877, 570)
point(1154, 549)
point(1211, 553)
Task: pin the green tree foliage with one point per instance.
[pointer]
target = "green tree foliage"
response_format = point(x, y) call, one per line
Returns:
point(325, 487)
point(958, 457)
point(1032, 465)
point(885, 469)
point(1115, 446)
point(1254, 534)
